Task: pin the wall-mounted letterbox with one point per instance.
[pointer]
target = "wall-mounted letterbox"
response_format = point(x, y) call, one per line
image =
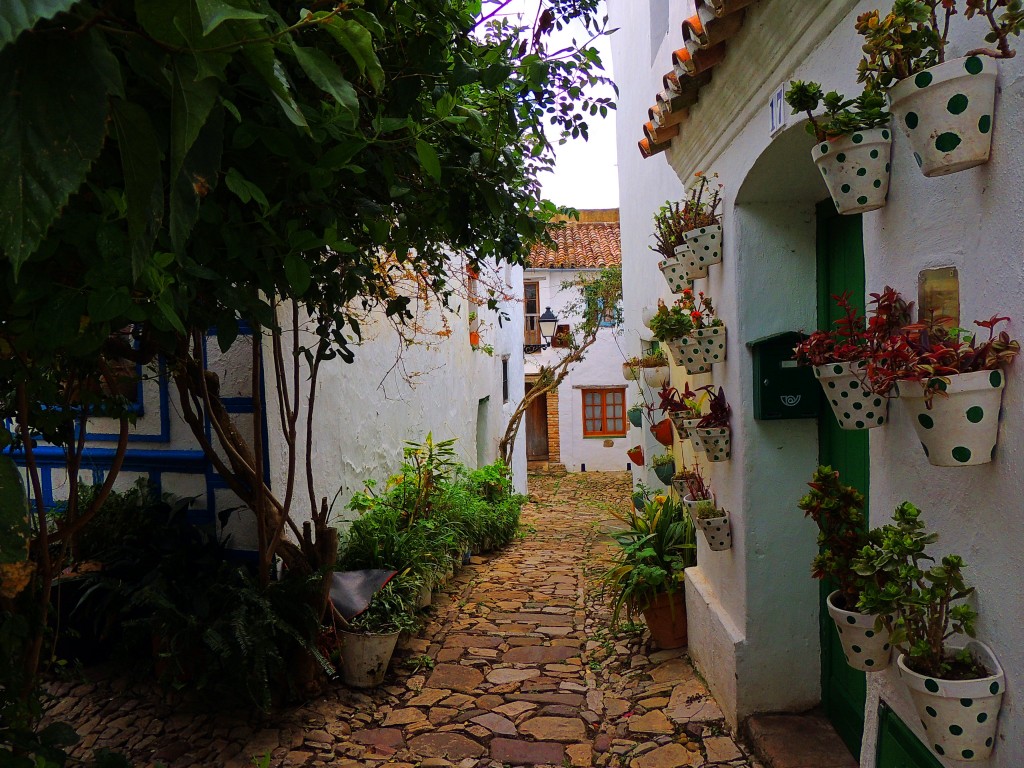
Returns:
point(782, 389)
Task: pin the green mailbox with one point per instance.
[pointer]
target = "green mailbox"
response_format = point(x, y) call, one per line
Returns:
point(782, 389)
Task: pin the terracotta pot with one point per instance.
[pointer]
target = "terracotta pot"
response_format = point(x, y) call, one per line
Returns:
point(683, 424)
point(947, 112)
point(856, 169)
point(636, 455)
point(853, 403)
point(662, 432)
point(666, 619)
point(474, 338)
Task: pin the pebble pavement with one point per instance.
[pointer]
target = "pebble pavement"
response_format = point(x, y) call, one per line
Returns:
point(517, 666)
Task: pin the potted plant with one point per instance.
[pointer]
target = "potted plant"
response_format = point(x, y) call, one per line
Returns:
point(368, 641)
point(840, 357)
point(683, 409)
point(631, 369)
point(957, 690)
point(664, 467)
point(696, 489)
point(636, 455)
point(635, 414)
point(853, 143)
point(838, 511)
point(653, 549)
point(951, 384)
point(662, 432)
point(945, 107)
point(712, 433)
point(714, 523)
point(694, 336)
point(669, 227)
point(703, 220)
point(708, 330)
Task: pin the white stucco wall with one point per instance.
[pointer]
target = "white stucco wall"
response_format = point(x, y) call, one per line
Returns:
point(753, 611)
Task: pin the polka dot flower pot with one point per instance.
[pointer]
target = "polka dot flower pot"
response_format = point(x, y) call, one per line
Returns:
point(866, 648)
point(656, 377)
point(712, 343)
point(687, 352)
point(959, 716)
point(854, 405)
point(946, 111)
point(682, 423)
point(717, 532)
point(962, 426)
point(705, 245)
point(714, 441)
point(856, 169)
point(674, 273)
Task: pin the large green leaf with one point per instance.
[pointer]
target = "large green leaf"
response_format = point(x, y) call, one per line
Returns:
point(140, 162)
point(18, 15)
point(264, 61)
point(327, 76)
point(428, 158)
point(191, 102)
point(53, 112)
point(216, 12)
point(357, 40)
point(14, 524)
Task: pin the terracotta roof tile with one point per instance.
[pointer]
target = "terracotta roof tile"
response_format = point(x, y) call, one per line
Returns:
point(581, 245)
point(704, 46)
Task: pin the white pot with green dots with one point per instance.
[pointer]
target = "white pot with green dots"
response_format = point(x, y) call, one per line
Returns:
point(675, 274)
point(947, 113)
point(687, 352)
point(847, 389)
point(713, 441)
point(856, 169)
point(712, 343)
point(705, 244)
point(867, 648)
point(959, 716)
point(961, 426)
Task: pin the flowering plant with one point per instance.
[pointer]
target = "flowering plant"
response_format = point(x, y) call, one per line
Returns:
point(854, 337)
point(673, 220)
point(700, 309)
point(670, 322)
point(718, 411)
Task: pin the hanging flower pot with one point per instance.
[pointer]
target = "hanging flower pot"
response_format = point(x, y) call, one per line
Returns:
point(683, 423)
point(706, 245)
point(687, 352)
point(866, 649)
point(679, 486)
point(657, 377)
point(647, 314)
point(714, 441)
point(853, 403)
point(856, 169)
point(959, 716)
point(662, 432)
point(711, 341)
point(630, 372)
point(961, 427)
point(674, 274)
point(665, 472)
point(635, 416)
point(946, 111)
point(717, 531)
point(636, 455)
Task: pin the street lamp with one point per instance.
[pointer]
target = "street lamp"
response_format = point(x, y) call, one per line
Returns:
point(548, 324)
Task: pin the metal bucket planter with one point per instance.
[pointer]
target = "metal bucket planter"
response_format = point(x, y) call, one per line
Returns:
point(706, 245)
point(962, 426)
point(959, 716)
point(866, 649)
point(712, 343)
point(635, 416)
point(717, 531)
point(365, 658)
point(665, 472)
point(853, 403)
point(657, 377)
point(714, 442)
point(674, 273)
point(946, 111)
point(687, 352)
point(856, 169)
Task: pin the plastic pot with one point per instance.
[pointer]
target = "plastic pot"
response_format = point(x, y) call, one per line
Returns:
point(635, 416)
point(666, 619)
point(946, 112)
point(365, 658)
point(662, 432)
point(866, 648)
point(636, 455)
point(962, 426)
point(714, 442)
point(856, 169)
point(855, 406)
point(717, 532)
point(657, 377)
point(665, 472)
point(630, 372)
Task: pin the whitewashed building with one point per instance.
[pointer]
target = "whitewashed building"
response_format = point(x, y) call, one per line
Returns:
point(704, 84)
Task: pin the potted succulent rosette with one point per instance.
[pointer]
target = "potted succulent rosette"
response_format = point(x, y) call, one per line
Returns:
point(944, 106)
point(840, 357)
point(683, 409)
point(711, 435)
point(957, 687)
point(714, 524)
point(951, 384)
point(853, 144)
point(838, 511)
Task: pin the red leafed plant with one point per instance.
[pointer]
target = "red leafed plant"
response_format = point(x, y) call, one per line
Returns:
point(718, 411)
point(854, 337)
point(696, 485)
point(687, 401)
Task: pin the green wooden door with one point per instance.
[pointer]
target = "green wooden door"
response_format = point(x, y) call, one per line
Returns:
point(898, 747)
point(840, 248)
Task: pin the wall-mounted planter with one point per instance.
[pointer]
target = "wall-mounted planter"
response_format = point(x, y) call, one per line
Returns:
point(866, 649)
point(635, 416)
point(662, 432)
point(674, 274)
point(717, 531)
point(679, 486)
point(657, 377)
point(706, 245)
point(636, 455)
point(714, 442)
point(959, 716)
point(687, 352)
point(647, 314)
point(683, 423)
point(856, 169)
point(947, 113)
point(712, 343)
point(630, 372)
point(962, 426)
point(665, 472)
point(853, 403)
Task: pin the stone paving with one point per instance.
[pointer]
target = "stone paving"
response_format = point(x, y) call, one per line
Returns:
point(517, 666)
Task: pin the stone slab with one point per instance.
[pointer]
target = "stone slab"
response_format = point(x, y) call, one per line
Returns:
point(797, 741)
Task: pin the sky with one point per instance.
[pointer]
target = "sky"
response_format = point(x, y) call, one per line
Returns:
point(586, 174)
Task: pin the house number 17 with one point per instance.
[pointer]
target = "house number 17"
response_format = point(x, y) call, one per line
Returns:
point(777, 111)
